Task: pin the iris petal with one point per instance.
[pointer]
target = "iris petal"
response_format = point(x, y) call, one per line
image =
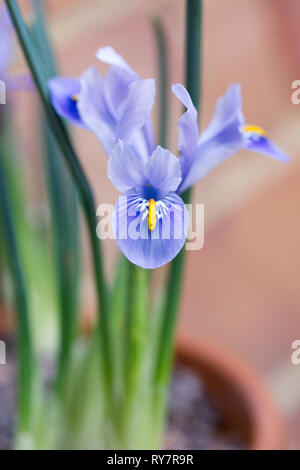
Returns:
point(117, 107)
point(62, 90)
point(262, 144)
point(93, 109)
point(118, 78)
point(153, 249)
point(125, 169)
point(188, 132)
point(213, 152)
point(163, 171)
point(117, 82)
point(220, 140)
point(228, 110)
point(109, 56)
point(134, 111)
point(116, 87)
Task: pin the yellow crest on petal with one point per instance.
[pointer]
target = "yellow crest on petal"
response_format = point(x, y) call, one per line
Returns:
point(75, 98)
point(152, 215)
point(255, 129)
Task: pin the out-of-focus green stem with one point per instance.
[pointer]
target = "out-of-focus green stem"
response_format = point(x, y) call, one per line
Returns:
point(43, 45)
point(86, 194)
point(25, 353)
point(64, 217)
point(163, 74)
point(118, 303)
point(166, 338)
point(136, 324)
point(135, 329)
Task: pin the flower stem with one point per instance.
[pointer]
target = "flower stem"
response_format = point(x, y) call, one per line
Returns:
point(25, 353)
point(63, 203)
point(135, 339)
point(86, 194)
point(165, 342)
point(163, 74)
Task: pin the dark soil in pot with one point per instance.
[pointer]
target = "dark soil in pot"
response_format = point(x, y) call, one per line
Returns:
point(195, 418)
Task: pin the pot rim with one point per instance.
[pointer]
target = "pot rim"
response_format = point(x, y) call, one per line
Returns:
point(234, 380)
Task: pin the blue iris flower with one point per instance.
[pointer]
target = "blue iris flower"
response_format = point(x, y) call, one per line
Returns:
point(150, 220)
point(226, 134)
point(115, 107)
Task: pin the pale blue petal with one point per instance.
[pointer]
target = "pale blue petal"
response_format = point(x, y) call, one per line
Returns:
point(134, 112)
point(143, 141)
point(213, 152)
point(163, 171)
point(262, 144)
point(220, 140)
point(149, 136)
point(93, 109)
point(188, 132)
point(109, 56)
point(62, 91)
point(147, 249)
point(117, 80)
point(125, 169)
point(116, 89)
point(228, 110)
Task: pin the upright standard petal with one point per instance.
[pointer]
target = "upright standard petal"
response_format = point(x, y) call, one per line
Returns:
point(64, 94)
point(125, 169)
point(135, 110)
point(228, 110)
point(145, 248)
point(163, 171)
point(116, 89)
point(109, 56)
point(188, 132)
point(220, 140)
point(117, 80)
point(93, 109)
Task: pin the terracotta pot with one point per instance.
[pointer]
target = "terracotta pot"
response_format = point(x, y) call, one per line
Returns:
point(244, 400)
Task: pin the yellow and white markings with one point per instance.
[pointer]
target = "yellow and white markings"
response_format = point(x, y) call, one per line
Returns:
point(152, 215)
